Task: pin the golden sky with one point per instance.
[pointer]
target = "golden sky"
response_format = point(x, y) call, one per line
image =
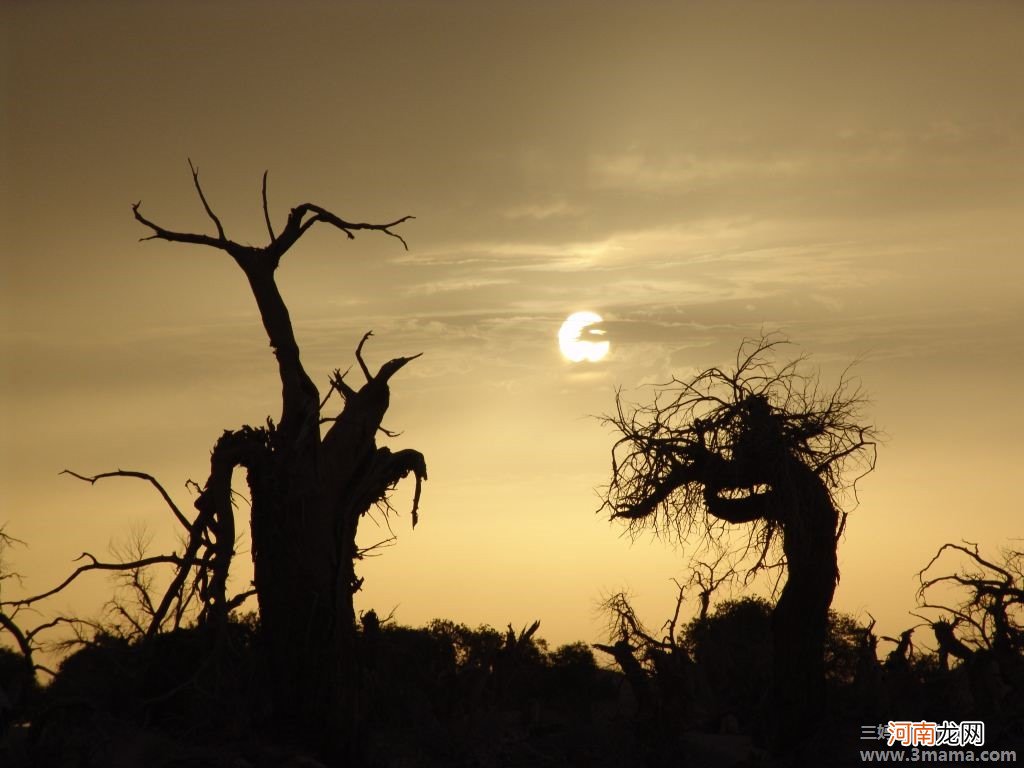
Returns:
point(849, 173)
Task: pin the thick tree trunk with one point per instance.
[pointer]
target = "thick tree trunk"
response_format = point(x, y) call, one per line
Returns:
point(295, 568)
point(308, 496)
point(800, 618)
point(798, 502)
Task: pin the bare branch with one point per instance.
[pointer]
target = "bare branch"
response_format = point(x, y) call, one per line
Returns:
point(992, 610)
point(388, 468)
point(677, 462)
point(624, 625)
point(125, 614)
point(338, 383)
point(91, 479)
point(77, 626)
point(266, 210)
point(359, 356)
point(6, 539)
point(244, 447)
point(96, 565)
point(159, 233)
point(670, 625)
point(206, 205)
point(296, 225)
point(348, 227)
point(371, 551)
point(391, 367)
point(51, 624)
point(237, 600)
point(21, 638)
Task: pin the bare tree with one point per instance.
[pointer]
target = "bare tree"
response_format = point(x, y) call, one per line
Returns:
point(204, 560)
point(988, 614)
point(760, 445)
point(308, 490)
point(7, 621)
point(651, 663)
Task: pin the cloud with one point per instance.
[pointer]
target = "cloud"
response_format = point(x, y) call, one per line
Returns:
point(645, 170)
point(542, 211)
point(454, 284)
point(657, 245)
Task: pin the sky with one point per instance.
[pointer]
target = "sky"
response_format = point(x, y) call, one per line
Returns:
point(849, 174)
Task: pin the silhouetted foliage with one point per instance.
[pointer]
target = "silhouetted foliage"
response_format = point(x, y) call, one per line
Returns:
point(449, 695)
point(732, 647)
point(848, 645)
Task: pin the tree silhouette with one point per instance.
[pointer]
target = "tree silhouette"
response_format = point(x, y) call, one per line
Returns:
point(759, 445)
point(308, 489)
point(983, 630)
point(991, 616)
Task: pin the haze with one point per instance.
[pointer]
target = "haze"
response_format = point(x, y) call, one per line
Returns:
point(847, 173)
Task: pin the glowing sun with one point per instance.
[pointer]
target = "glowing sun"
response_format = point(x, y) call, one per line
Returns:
point(573, 341)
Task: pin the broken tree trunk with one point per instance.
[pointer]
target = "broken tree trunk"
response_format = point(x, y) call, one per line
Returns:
point(308, 494)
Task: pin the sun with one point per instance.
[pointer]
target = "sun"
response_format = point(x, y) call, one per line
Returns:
point(573, 342)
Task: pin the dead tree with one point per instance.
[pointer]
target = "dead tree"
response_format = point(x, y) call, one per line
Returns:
point(200, 571)
point(657, 668)
point(760, 446)
point(990, 614)
point(9, 625)
point(898, 660)
point(984, 629)
point(308, 491)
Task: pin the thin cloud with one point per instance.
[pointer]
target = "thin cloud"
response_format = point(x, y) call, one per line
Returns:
point(543, 211)
point(454, 284)
point(643, 170)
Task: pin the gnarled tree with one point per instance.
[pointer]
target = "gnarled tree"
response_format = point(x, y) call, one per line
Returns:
point(309, 490)
point(759, 446)
point(990, 618)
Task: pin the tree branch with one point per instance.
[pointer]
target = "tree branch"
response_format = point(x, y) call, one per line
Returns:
point(300, 399)
point(266, 210)
point(391, 367)
point(142, 476)
point(296, 225)
point(159, 233)
point(23, 640)
point(244, 447)
point(359, 356)
point(355, 427)
point(238, 599)
point(348, 227)
point(206, 205)
point(96, 565)
point(338, 383)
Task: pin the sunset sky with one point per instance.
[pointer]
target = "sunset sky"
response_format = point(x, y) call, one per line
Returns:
point(848, 173)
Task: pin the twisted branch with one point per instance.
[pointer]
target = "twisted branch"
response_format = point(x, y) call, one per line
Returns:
point(96, 565)
point(91, 479)
point(300, 219)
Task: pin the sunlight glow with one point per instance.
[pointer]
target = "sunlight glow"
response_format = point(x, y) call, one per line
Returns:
point(572, 341)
